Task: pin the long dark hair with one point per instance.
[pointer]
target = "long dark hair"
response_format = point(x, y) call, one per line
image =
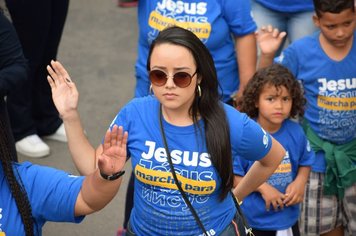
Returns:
point(207, 106)
point(275, 75)
point(16, 187)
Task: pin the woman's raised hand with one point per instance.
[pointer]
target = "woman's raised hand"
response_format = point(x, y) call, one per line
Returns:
point(64, 92)
point(113, 157)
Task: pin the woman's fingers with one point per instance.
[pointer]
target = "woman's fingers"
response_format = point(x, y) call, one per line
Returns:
point(107, 140)
point(56, 69)
point(58, 73)
point(114, 136)
point(51, 82)
point(53, 75)
point(59, 68)
point(122, 137)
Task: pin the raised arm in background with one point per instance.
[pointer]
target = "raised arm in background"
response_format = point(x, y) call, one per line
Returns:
point(65, 97)
point(269, 40)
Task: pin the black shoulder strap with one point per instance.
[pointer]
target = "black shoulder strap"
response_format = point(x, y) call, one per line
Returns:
point(186, 200)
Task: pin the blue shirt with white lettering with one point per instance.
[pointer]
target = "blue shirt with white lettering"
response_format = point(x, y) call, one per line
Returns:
point(158, 206)
point(298, 153)
point(52, 194)
point(330, 90)
point(213, 21)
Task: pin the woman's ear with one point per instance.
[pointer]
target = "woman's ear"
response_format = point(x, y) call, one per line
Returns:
point(199, 78)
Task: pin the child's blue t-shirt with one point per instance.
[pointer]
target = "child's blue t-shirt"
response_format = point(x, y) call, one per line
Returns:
point(213, 21)
point(159, 208)
point(329, 87)
point(52, 194)
point(290, 6)
point(299, 153)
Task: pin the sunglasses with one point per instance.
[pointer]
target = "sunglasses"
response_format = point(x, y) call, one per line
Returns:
point(180, 79)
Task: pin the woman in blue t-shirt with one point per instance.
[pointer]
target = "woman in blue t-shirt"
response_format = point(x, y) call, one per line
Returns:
point(226, 28)
point(183, 130)
point(33, 194)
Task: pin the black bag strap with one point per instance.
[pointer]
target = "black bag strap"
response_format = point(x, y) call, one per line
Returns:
point(184, 195)
point(239, 211)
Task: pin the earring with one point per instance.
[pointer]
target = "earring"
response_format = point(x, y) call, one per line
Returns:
point(150, 90)
point(199, 90)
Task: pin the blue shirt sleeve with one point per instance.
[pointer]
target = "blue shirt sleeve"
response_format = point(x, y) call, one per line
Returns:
point(240, 166)
point(52, 193)
point(307, 157)
point(248, 139)
point(289, 59)
point(238, 16)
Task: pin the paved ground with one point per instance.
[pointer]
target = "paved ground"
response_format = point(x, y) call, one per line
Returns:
point(99, 50)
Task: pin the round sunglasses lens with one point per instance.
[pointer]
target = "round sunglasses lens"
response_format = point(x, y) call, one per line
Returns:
point(158, 77)
point(182, 79)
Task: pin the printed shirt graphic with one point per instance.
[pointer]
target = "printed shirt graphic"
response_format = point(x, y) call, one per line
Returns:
point(330, 89)
point(159, 208)
point(52, 195)
point(213, 21)
point(282, 175)
point(299, 153)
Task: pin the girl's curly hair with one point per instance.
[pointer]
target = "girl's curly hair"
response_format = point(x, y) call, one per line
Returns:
point(275, 75)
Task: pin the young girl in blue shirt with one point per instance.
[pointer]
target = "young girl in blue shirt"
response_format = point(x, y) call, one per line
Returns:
point(272, 97)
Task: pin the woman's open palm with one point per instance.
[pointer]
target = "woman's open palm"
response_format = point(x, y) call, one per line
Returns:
point(114, 155)
point(64, 92)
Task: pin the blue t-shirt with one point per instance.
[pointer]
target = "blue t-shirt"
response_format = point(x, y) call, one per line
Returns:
point(159, 208)
point(213, 21)
point(52, 195)
point(289, 6)
point(329, 87)
point(299, 153)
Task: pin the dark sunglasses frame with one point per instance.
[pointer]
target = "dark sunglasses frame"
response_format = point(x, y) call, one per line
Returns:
point(181, 79)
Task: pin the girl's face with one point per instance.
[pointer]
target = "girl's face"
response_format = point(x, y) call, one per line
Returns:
point(174, 61)
point(274, 106)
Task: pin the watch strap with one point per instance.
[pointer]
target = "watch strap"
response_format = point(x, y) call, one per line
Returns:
point(113, 176)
